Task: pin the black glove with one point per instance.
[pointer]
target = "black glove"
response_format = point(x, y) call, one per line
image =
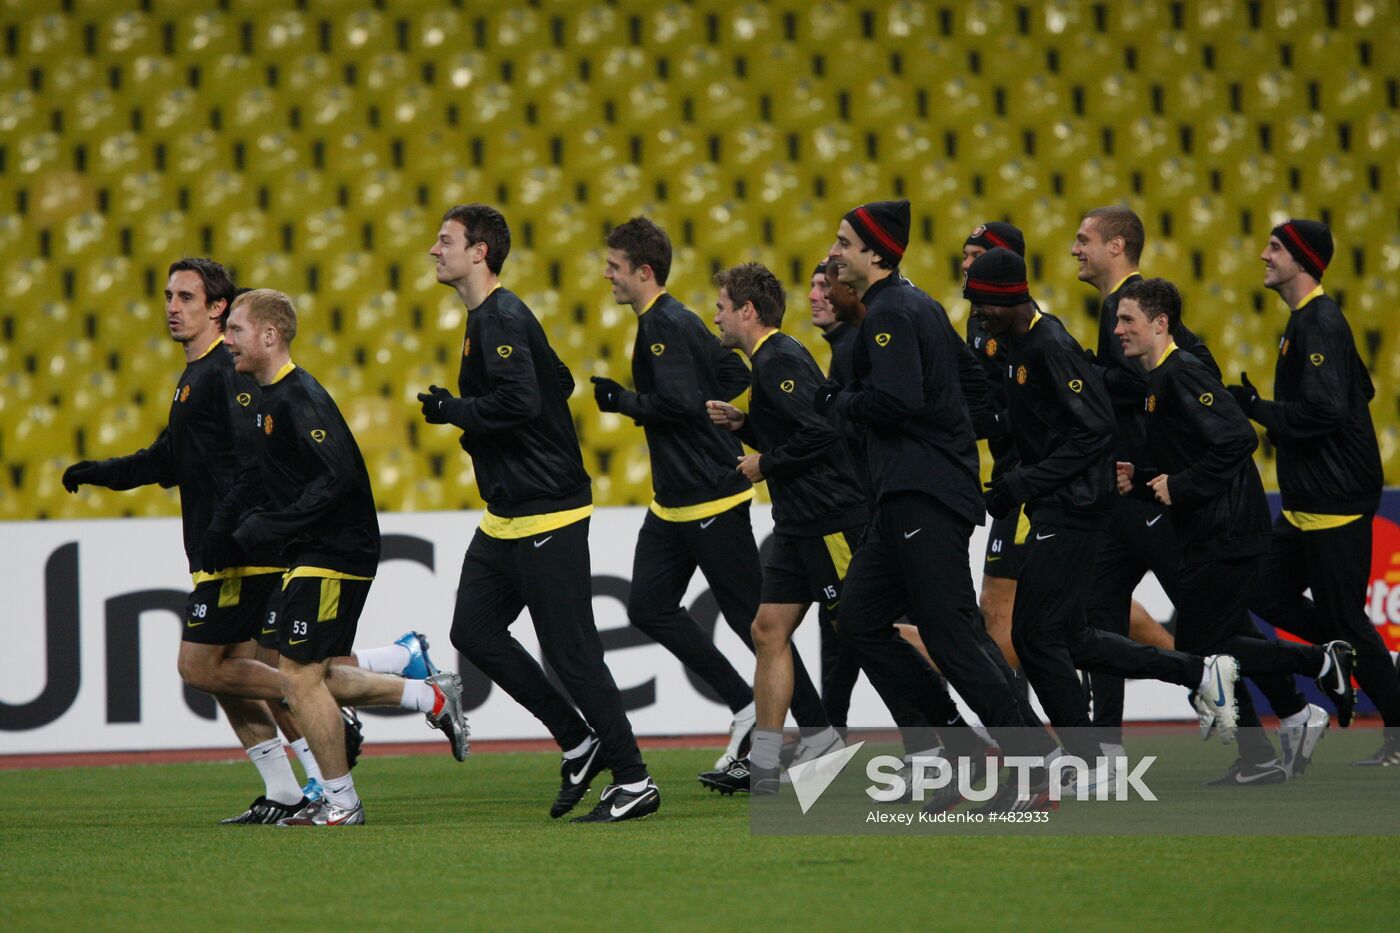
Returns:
point(80, 473)
point(440, 407)
point(1245, 395)
point(607, 393)
point(218, 551)
point(825, 396)
point(1000, 502)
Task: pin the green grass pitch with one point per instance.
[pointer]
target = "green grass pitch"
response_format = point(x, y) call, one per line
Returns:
point(472, 846)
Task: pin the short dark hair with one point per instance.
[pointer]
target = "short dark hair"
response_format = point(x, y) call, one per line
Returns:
point(269, 306)
point(1156, 297)
point(645, 244)
point(484, 224)
point(820, 269)
point(1117, 220)
point(751, 281)
point(218, 283)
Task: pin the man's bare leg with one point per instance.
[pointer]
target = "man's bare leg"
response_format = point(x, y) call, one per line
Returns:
point(1147, 630)
point(998, 596)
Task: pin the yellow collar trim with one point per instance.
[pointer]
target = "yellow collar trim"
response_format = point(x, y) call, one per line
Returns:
point(1315, 293)
point(761, 341)
point(220, 339)
point(654, 299)
point(282, 373)
point(1123, 281)
point(1035, 319)
point(1171, 348)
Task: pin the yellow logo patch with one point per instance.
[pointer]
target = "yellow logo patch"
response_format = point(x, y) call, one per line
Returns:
point(882, 339)
point(1208, 399)
point(185, 392)
point(787, 385)
point(244, 399)
point(992, 347)
point(505, 351)
point(1020, 375)
point(1316, 358)
point(467, 347)
point(267, 424)
point(1151, 403)
point(1075, 385)
point(318, 435)
point(657, 349)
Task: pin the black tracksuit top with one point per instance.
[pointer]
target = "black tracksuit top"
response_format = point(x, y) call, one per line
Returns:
point(518, 431)
point(909, 400)
point(991, 356)
point(1063, 423)
point(1127, 380)
point(808, 468)
point(207, 448)
point(1198, 435)
point(320, 506)
point(1320, 419)
point(677, 366)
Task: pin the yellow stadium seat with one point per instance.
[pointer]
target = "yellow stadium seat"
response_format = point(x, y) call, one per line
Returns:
point(362, 32)
point(49, 37)
point(374, 192)
point(979, 21)
point(806, 104)
point(669, 25)
point(1303, 137)
point(201, 34)
point(1115, 97)
point(906, 23)
point(776, 65)
point(1037, 97)
point(595, 27)
point(279, 36)
point(516, 28)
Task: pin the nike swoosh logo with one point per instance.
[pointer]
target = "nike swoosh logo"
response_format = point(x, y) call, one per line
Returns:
point(990, 559)
point(1153, 521)
point(707, 523)
point(269, 631)
point(910, 534)
point(833, 605)
point(1241, 779)
point(1041, 537)
point(578, 778)
point(627, 807)
point(1219, 688)
point(544, 542)
point(298, 641)
point(189, 624)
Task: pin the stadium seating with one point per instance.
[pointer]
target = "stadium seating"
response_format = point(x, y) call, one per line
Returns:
point(312, 147)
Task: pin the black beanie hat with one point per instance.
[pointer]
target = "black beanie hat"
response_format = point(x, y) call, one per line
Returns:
point(997, 277)
point(884, 227)
point(996, 233)
point(1309, 242)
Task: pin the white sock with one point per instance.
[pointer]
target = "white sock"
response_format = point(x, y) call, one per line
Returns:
point(341, 792)
point(1326, 664)
point(270, 758)
point(1297, 719)
point(391, 659)
point(418, 695)
point(748, 712)
point(821, 739)
point(636, 787)
point(579, 750)
point(307, 759)
point(767, 747)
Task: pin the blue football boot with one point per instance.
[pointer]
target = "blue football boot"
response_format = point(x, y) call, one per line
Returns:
point(419, 666)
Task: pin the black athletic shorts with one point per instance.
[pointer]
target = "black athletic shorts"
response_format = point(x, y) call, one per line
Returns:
point(229, 611)
point(1006, 546)
point(803, 570)
point(316, 617)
